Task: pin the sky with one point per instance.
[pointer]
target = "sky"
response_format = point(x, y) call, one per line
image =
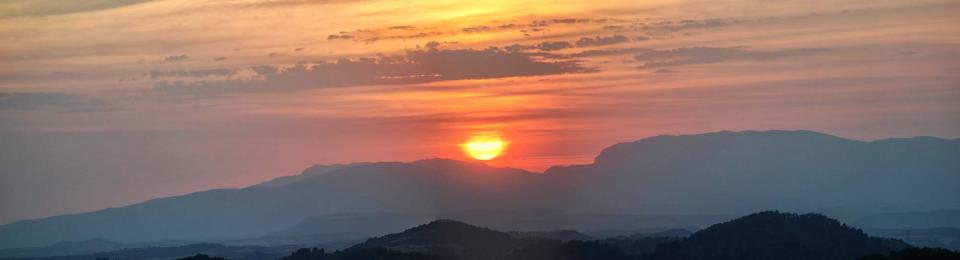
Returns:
point(109, 103)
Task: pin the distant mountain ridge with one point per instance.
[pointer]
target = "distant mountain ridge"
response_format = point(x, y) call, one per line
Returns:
point(64, 248)
point(764, 235)
point(739, 172)
point(723, 173)
point(928, 219)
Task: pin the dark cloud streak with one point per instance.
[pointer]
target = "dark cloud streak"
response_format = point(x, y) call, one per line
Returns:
point(176, 58)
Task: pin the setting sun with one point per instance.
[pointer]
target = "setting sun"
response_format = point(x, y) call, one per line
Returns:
point(484, 146)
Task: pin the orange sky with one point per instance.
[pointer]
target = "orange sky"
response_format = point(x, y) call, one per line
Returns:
point(141, 95)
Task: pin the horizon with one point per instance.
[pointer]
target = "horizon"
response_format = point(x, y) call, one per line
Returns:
point(486, 164)
point(108, 104)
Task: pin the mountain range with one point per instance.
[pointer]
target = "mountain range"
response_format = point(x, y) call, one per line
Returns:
point(687, 181)
point(763, 235)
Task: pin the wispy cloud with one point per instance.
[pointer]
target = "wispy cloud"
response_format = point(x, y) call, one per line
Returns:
point(28, 101)
point(191, 73)
point(26, 8)
point(176, 58)
point(417, 66)
point(702, 55)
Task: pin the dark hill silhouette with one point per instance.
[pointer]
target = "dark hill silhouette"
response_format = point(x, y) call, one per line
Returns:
point(446, 238)
point(449, 239)
point(724, 173)
point(775, 235)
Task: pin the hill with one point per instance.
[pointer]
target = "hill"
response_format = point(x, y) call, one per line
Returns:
point(448, 239)
point(775, 235)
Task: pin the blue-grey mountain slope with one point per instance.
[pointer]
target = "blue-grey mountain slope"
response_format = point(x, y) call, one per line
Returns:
point(423, 187)
point(741, 172)
point(667, 177)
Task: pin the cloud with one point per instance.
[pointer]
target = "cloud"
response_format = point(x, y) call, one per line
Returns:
point(341, 36)
point(683, 25)
point(28, 101)
point(599, 52)
point(601, 41)
point(553, 46)
point(405, 32)
point(294, 3)
point(29, 8)
point(476, 29)
point(570, 20)
point(703, 55)
point(560, 45)
point(418, 66)
point(176, 58)
point(191, 73)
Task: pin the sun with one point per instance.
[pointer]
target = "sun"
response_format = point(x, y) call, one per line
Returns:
point(484, 146)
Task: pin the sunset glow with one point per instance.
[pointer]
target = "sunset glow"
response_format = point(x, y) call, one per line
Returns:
point(484, 147)
point(133, 92)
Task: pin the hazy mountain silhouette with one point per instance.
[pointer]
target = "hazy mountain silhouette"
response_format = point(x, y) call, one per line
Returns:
point(927, 219)
point(925, 253)
point(561, 235)
point(775, 235)
point(65, 248)
point(423, 187)
point(741, 172)
point(186, 252)
point(647, 182)
point(948, 238)
point(88, 246)
point(675, 232)
point(313, 171)
point(765, 235)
